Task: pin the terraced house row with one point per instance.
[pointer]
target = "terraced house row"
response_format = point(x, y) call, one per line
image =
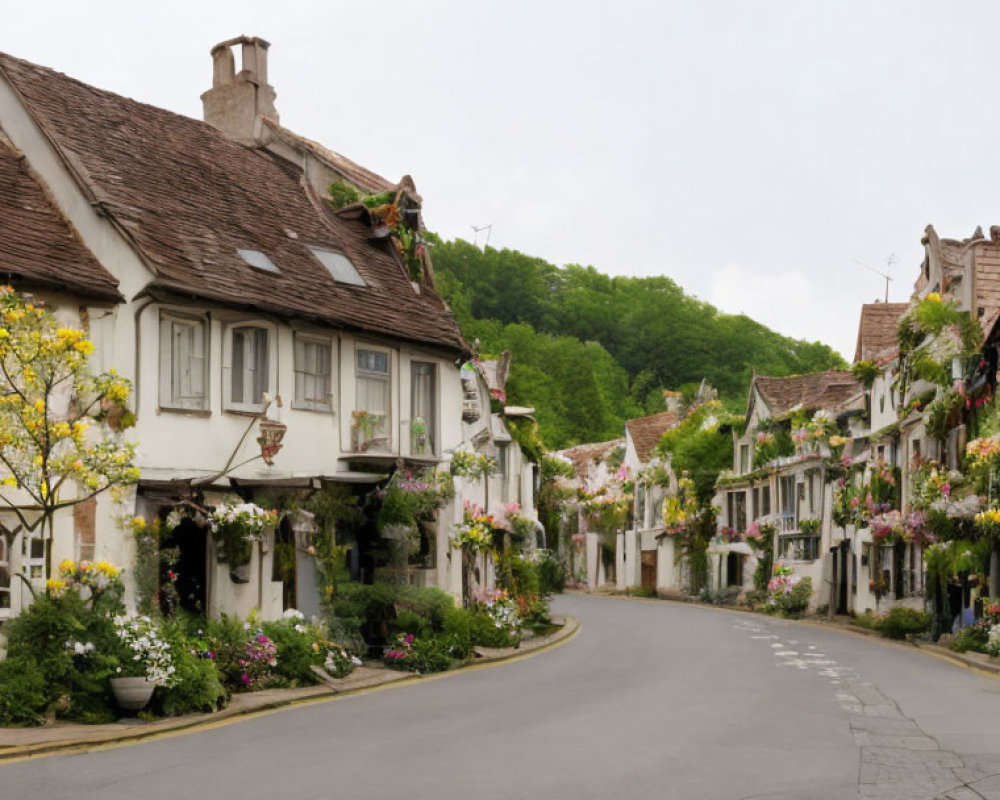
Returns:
point(877, 483)
point(233, 272)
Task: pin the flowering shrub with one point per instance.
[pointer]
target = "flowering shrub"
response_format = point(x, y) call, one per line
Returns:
point(235, 526)
point(247, 658)
point(790, 593)
point(339, 663)
point(142, 652)
point(475, 534)
point(681, 508)
point(500, 608)
point(469, 464)
point(411, 495)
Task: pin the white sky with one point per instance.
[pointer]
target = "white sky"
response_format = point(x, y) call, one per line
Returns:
point(749, 150)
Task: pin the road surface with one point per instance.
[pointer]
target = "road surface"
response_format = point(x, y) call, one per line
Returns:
point(650, 700)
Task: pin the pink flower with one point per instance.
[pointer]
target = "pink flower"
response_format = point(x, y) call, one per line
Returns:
point(409, 638)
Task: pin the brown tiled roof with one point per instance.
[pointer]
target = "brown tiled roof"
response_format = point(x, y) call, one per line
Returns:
point(646, 431)
point(877, 331)
point(188, 197)
point(351, 171)
point(37, 244)
point(828, 390)
point(584, 455)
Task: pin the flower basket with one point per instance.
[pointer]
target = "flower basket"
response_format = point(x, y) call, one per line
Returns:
point(132, 694)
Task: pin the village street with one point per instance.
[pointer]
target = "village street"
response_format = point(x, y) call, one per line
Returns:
point(651, 699)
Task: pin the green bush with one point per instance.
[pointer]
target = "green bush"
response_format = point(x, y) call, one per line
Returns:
point(298, 650)
point(973, 638)
point(868, 621)
point(372, 610)
point(22, 692)
point(458, 627)
point(431, 654)
point(411, 622)
point(517, 575)
point(796, 601)
point(485, 633)
point(901, 621)
point(642, 591)
point(199, 684)
point(552, 575)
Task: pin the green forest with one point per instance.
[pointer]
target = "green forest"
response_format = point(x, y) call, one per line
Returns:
point(591, 350)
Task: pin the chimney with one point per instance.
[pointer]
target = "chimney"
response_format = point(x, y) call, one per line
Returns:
point(237, 99)
point(674, 400)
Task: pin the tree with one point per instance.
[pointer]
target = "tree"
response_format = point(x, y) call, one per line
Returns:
point(60, 427)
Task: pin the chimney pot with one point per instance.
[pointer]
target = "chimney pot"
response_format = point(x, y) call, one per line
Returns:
point(238, 99)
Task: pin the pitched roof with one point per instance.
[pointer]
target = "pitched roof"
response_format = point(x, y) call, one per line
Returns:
point(828, 390)
point(39, 244)
point(646, 431)
point(877, 330)
point(584, 455)
point(188, 197)
point(353, 172)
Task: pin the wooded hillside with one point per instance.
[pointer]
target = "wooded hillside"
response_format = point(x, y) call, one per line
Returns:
point(591, 350)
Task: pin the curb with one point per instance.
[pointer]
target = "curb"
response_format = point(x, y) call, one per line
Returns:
point(228, 716)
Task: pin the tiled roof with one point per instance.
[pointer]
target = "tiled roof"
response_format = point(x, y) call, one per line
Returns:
point(188, 198)
point(585, 455)
point(828, 390)
point(353, 172)
point(646, 431)
point(877, 331)
point(37, 244)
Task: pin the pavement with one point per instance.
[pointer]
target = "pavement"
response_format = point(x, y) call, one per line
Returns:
point(19, 743)
point(650, 699)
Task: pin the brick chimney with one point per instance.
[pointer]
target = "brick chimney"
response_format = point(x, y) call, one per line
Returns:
point(237, 99)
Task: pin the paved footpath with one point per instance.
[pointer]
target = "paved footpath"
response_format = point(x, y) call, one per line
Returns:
point(651, 699)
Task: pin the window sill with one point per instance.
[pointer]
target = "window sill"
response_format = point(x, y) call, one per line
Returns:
point(247, 411)
point(188, 412)
point(314, 409)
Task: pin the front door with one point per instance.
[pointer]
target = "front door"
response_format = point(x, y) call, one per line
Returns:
point(648, 562)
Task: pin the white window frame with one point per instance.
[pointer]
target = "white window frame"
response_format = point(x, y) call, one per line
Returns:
point(366, 374)
point(167, 399)
point(227, 361)
point(322, 341)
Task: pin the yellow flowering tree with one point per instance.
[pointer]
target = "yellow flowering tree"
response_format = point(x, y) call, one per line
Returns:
point(61, 439)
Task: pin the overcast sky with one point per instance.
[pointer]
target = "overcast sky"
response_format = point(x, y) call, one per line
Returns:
point(752, 151)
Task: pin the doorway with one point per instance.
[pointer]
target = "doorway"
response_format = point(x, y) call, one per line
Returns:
point(648, 570)
point(183, 573)
point(734, 569)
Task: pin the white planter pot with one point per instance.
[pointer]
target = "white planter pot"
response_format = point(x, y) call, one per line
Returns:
point(132, 694)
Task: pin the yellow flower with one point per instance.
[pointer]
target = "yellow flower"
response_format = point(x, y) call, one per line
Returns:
point(67, 565)
point(4, 333)
point(55, 587)
point(40, 405)
point(138, 524)
point(934, 297)
point(85, 346)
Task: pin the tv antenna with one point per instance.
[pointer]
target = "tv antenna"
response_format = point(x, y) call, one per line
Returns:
point(889, 263)
point(488, 229)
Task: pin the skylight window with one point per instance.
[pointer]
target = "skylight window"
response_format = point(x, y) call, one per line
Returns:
point(339, 266)
point(258, 260)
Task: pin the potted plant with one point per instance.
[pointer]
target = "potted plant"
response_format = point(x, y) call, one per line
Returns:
point(364, 424)
point(235, 527)
point(421, 439)
point(144, 662)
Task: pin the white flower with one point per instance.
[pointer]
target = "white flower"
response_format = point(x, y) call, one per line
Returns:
point(292, 613)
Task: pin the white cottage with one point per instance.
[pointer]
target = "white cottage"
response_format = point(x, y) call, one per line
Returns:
point(211, 269)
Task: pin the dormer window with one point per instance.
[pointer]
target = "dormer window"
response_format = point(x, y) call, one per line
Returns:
point(258, 260)
point(338, 265)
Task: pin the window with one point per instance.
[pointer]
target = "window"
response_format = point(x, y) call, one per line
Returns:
point(373, 402)
point(799, 548)
point(33, 557)
point(786, 487)
point(640, 506)
point(258, 260)
point(765, 501)
point(744, 458)
point(183, 363)
point(4, 576)
point(339, 266)
point(313, 360)
point(423, 408)
point(502, 452)
point(250, 366)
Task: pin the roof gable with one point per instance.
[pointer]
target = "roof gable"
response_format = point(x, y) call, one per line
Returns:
point(830, 390)
point(189, 198)
point(646, 432)
point(877, 330)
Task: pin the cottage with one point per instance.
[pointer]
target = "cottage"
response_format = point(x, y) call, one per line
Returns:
point(212, 267)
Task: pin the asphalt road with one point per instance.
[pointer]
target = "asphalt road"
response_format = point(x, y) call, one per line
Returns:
point(650, 700)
